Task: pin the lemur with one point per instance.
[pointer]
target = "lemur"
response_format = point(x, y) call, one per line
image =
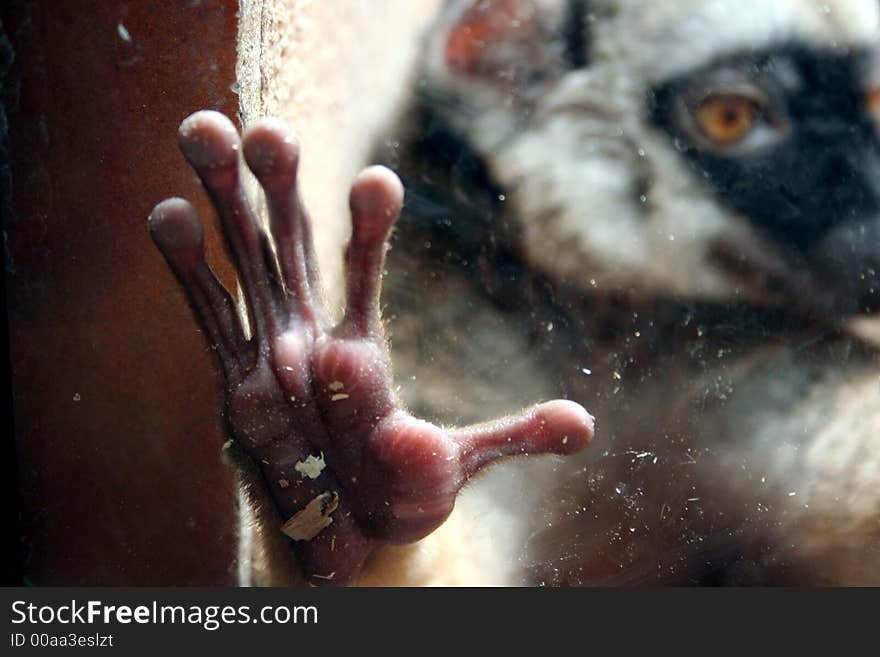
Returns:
point(667, 212)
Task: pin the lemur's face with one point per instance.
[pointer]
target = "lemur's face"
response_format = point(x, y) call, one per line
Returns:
point(714, 149)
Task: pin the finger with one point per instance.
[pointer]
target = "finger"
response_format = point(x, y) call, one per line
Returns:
point(272, 153)
point(556, 427)
point(177, 232)
point(210, 144)
point(375, 201)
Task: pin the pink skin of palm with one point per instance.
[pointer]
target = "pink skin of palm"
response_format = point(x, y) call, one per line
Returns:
point(301, 387)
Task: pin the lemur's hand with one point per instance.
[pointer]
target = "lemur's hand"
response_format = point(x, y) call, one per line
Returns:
point(313, 404)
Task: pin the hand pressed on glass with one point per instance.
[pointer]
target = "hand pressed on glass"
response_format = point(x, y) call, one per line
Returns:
point(313, 404)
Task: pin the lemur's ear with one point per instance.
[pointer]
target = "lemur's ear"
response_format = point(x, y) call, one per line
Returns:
point(510, 42)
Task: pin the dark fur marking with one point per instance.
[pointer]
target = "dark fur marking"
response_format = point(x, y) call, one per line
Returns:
point(820, 174)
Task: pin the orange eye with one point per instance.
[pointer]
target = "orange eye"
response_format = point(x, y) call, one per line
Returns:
point(725, 119)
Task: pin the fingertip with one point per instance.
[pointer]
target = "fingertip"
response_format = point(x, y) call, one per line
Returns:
point(381, 183)
point(209, 140)
point(271, 149)
point(376, 200)
point(177, 231)
point(569, 422)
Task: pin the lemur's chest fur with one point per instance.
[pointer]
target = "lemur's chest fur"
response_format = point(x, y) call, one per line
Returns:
point(718, 434)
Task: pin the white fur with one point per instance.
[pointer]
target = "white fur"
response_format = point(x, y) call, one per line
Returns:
point(663, 39)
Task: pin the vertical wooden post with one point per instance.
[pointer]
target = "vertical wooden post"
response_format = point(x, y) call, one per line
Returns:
point(118, 437)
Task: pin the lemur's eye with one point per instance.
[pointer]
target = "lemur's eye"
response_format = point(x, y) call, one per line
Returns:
point(730, 116)
point(726, 118)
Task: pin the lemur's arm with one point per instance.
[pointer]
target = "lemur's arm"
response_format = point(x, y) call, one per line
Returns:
point(312, 404)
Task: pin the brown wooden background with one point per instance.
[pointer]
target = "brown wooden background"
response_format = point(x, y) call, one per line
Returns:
point(119, 478)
